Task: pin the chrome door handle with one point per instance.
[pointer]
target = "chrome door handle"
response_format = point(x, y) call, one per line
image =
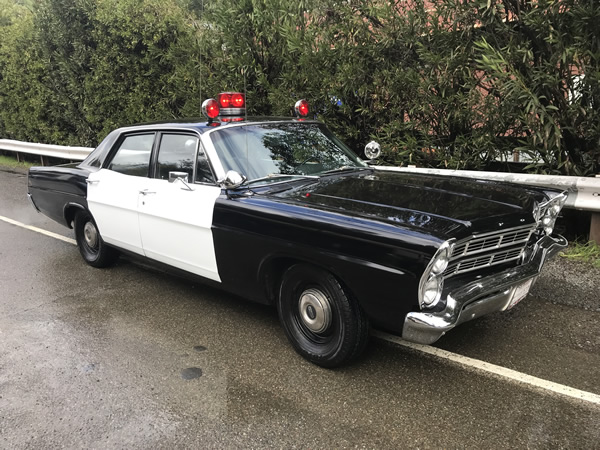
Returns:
point(88, 181)
point(146, 192)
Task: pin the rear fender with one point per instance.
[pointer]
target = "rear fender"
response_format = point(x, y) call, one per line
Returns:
point(69, 212)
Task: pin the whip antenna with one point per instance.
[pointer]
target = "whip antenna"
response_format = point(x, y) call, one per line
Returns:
point(246, 119)
point(201, 49)
point(245, 94)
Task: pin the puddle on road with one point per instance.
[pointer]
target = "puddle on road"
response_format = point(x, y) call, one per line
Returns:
point(191, 372)
point(89, 368)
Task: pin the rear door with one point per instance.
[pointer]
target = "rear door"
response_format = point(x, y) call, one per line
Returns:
point(175, 216)
point(114, 191)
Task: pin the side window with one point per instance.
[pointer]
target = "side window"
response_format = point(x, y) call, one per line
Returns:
point(176, 154)
point(133, 155)
point(203, 172)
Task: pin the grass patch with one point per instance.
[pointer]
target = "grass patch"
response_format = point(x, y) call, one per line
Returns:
point(589, 253)
point(11, 162)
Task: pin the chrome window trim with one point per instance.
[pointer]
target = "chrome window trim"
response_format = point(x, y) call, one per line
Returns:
point(211, 155)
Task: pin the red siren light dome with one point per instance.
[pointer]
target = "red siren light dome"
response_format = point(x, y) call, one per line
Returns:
point(232, 100)
point(238, 100)
point(301, 108)
point(210, 108)
point(224, 100)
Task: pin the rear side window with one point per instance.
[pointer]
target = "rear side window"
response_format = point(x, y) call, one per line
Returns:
point(176, 154)
point(133, 155)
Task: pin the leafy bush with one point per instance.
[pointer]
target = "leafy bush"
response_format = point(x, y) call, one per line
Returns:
point(143, 68)
point(454, 83)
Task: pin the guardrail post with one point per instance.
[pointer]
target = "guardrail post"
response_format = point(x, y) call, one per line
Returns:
point(595, 223)
point(45, 161)
point(595, 228)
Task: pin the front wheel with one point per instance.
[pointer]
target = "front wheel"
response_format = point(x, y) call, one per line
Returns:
point(91, 246)
point(324, 324)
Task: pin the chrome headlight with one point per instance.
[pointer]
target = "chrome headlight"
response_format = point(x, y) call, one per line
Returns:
point(547, 213)
point(440, 261)
point(432, 291)
point(432, 281)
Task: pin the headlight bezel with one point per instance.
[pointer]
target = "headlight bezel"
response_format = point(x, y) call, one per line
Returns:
point(441, 259)
point(434, 273)
point(429, 301)
point(547, 212)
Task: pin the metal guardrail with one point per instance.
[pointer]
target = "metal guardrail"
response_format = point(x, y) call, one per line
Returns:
point(584, 193)
point(53, 151)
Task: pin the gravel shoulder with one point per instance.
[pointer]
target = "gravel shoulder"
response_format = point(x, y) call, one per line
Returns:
point(572, 283)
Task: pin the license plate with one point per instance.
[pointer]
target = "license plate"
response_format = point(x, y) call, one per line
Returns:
point(520, 293)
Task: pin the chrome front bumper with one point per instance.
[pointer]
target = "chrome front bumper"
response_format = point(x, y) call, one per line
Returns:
point(482, 296)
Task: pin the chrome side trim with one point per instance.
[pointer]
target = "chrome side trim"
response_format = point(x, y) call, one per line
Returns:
point(32, 202)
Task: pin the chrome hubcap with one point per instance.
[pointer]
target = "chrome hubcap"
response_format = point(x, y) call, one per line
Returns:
point(315, 310)
point(90, 234)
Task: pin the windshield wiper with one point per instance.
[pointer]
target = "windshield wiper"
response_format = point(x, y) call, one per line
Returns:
point(273, 176)
point(345, 169)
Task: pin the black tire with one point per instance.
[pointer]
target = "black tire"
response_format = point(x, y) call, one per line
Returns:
point(93, 249)
point(335, 331)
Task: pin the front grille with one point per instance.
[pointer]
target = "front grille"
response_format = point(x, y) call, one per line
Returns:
point(489, 249)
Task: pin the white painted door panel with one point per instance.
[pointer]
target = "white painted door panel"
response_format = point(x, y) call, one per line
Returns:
point(175, 226)
point(113, 201)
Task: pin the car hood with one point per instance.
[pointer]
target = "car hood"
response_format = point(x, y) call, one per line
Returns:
point(439, 205)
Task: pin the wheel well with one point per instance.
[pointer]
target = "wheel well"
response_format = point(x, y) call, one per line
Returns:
point(70, 211)
point(271, 274)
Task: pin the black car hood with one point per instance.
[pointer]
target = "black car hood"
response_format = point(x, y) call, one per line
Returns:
point(434, 204)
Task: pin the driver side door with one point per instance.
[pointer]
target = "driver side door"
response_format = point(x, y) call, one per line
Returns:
point(176, 216)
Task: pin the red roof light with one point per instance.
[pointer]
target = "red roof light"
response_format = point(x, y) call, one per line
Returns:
point(238, 100)
point(210, 108)
point(225, 100)
point(232, 100)
point(301, 108)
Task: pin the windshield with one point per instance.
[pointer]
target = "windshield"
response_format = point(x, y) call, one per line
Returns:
point(266, 150)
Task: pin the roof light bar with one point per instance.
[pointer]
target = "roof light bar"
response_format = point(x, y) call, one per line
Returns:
point(232, 103)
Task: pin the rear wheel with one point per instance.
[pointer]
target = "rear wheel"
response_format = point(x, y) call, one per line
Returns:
point(91, 246)
point(324, 324)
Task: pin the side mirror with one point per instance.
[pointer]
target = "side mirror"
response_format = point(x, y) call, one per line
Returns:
point(232, 180)
point(173, 176)
point(372, 150)
point(182, 177)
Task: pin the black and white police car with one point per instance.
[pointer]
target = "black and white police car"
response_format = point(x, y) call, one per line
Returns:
point(280, 211)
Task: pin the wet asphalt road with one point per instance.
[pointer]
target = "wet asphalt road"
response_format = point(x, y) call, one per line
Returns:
point(130, 357)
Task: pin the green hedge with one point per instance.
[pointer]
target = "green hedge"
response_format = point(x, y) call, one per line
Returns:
point(449, 83)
